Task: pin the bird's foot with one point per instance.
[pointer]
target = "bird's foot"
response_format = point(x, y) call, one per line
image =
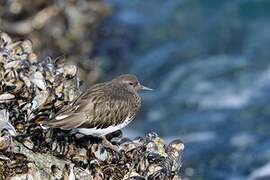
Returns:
point(109, 145)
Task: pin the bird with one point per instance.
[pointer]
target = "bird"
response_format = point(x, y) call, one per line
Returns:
point(102, 109)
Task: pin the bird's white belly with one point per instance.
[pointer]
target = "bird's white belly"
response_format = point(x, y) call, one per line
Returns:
point(103, 131)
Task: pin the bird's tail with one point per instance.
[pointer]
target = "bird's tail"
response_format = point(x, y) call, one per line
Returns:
point(5, 123)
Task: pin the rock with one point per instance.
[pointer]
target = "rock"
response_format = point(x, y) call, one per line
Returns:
point(30, 151)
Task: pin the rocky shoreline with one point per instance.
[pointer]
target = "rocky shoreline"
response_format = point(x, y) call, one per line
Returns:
point(31, 91)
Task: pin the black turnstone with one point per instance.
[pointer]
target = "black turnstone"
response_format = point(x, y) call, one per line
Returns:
point(102, 109)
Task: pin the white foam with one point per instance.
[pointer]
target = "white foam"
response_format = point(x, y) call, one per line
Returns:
point(261, 172)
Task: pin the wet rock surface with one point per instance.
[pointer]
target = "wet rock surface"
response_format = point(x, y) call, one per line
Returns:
point(31, 91)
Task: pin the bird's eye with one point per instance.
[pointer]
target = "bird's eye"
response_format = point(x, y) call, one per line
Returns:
point(131, 83)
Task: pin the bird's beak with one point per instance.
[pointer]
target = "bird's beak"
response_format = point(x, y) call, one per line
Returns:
point(145, 88)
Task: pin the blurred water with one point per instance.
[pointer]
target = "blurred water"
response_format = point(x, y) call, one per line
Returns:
point(209, 63)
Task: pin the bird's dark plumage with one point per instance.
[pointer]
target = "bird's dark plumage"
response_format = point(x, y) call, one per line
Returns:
point(103, 108)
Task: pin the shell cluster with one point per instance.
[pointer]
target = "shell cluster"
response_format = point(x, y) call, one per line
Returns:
point(86, 158)
point(31, 90)
point(68, 27)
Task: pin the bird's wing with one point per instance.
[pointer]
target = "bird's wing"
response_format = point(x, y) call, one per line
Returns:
point(68, 119)
point(92, 109)
point(73, 115)
point(108, 111)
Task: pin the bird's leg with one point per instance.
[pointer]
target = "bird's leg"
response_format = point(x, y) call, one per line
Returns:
point(108, 144)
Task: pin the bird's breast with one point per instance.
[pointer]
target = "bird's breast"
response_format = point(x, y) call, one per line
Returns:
point(136, 104)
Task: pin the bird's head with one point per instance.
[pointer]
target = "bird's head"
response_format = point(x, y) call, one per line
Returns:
point(131, 82)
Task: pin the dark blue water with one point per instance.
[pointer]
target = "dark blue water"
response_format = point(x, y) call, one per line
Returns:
point(209, 63)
